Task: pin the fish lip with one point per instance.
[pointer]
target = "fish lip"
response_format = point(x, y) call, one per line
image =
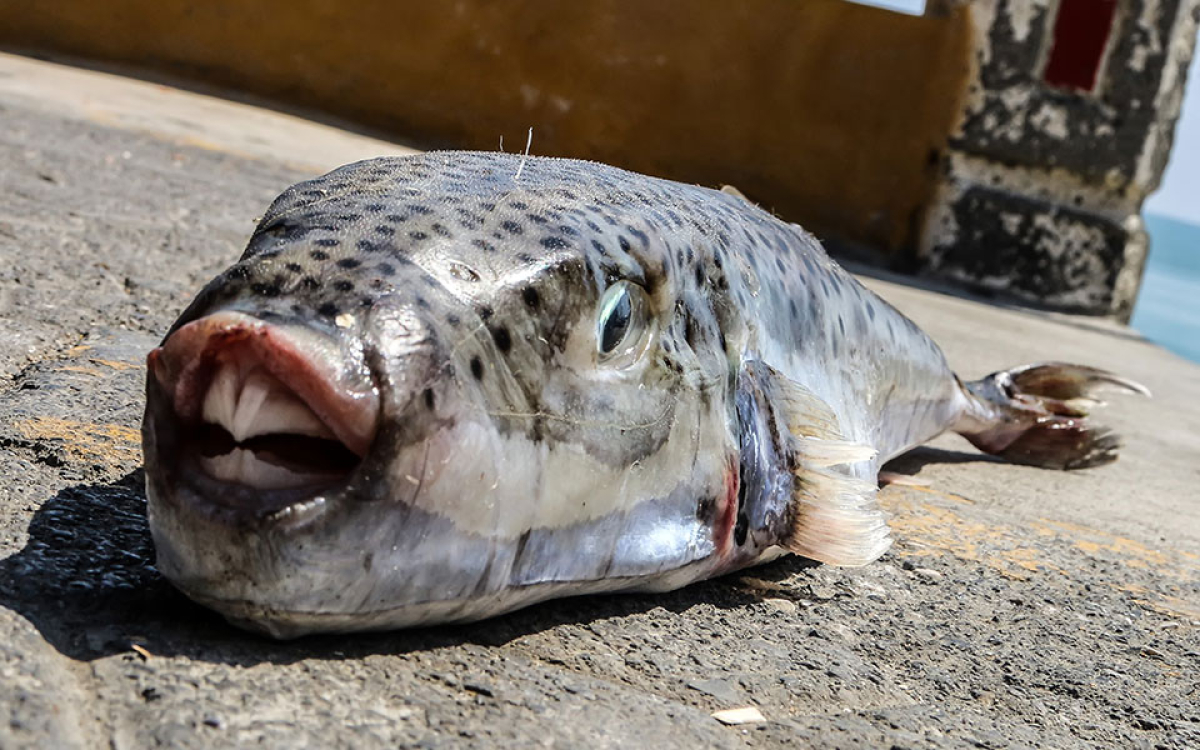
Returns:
point(184, 366)
point(231, 504)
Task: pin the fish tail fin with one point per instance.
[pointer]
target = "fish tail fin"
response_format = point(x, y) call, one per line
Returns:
point(1037, 415)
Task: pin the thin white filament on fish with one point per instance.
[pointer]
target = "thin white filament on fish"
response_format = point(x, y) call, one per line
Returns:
point(521, 166)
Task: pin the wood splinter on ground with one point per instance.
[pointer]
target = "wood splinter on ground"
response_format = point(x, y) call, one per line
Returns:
point(735, 716)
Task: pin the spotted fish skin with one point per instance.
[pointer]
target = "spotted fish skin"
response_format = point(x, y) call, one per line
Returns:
point(439, 323)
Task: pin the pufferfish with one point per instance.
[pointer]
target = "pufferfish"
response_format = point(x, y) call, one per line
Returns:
point(442, 387)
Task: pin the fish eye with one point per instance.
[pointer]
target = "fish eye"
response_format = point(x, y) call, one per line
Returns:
point(621, 322)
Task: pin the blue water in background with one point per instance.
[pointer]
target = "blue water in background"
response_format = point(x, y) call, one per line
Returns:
point(1168, 305)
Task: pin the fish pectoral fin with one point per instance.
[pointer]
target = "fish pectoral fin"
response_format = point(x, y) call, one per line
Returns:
point(833, 517)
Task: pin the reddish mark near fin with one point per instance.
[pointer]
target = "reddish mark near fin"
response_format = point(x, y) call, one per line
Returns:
point(727, 514)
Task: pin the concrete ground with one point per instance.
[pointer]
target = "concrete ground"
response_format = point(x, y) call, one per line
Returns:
point(1019, 608)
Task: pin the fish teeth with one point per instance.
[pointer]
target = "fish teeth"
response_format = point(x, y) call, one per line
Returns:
point(258, 404)
point(242, 466)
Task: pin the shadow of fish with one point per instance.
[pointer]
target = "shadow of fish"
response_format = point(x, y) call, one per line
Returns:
point(435, 389)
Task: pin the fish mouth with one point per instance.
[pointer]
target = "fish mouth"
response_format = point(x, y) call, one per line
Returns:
point(263, 417)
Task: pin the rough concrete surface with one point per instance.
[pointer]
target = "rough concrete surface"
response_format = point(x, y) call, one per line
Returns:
point(1019, 608)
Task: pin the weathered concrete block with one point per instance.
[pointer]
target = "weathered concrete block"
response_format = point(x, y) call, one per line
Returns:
point(1065, 129)
point(1038, 251)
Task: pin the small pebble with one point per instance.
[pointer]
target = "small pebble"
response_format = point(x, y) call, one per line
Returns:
point(786, 606)
point(734, 716)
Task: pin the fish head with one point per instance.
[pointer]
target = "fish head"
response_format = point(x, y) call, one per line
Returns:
point(431, 390)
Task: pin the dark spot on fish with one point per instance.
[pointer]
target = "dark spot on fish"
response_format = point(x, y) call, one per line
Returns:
point(375, 207)
point(427, 394)
point(308, 282)
point(417, 208)
point(599, 247)
point(554, 243)
point(624, 243)
point(422, 302)
point(700, 275)
point(453, 319)
point(329, 310)
point(396, 218)
point(238, 272)
point(477, 368)
point(266, 290)
point(327, 242)
point(349, 263)
point(537, 218)
point(519, 205)
point(342, 285)
point(294, 267)
point(691, 332)
point(440, 230)
point(512, 227)
point(384, 229)
point(503, 339)
point(531, 297)
point(485, 312)
point(319, 255)
point(418, 236)
point(741, 528)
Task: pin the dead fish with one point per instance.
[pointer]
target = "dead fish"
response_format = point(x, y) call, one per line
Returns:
point(442, 387)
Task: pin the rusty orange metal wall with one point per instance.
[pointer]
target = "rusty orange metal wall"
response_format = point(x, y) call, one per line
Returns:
point(826, 112)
